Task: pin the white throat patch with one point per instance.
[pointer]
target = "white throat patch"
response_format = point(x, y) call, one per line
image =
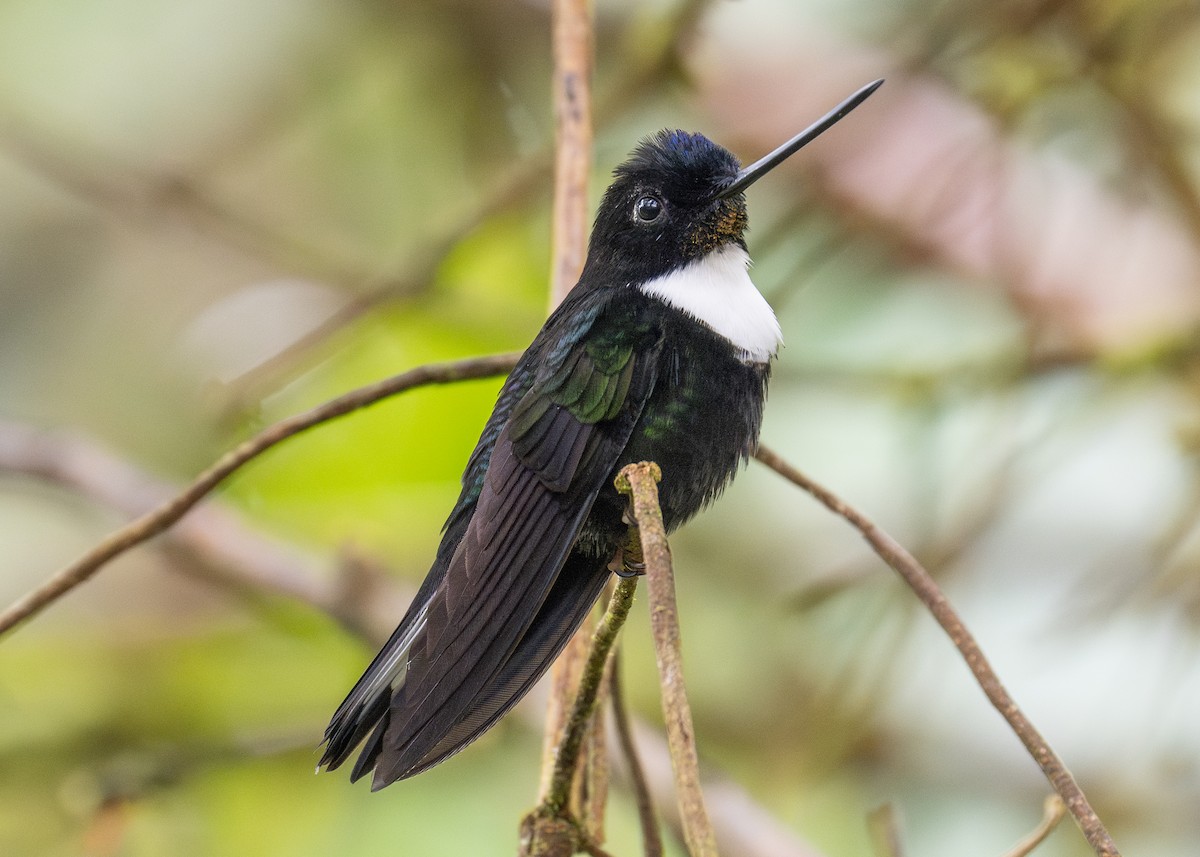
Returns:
point(716, 290)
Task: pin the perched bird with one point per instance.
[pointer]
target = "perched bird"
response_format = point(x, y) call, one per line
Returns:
point(661, 352)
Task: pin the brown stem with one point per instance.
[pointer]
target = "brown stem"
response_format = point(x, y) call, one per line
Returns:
point(919, 580)
point(553, 829)
point(587, 697)
point(571, 94)
point(168, 512)
point(640, 481)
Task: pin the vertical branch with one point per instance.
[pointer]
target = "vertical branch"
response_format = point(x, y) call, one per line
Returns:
point(565, 675)
point(572, 49)
point(641, 482)
point(593, 796)
point(587, 699)
point(572, 34)
point(931, 595)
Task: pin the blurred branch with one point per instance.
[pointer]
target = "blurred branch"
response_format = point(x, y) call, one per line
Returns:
point(571, 93)
point(652, 845)
point(883, 822)
point(931, 596)
point(413, 279)
point(640, 483)
point(1109, 49)
point(107, 791)
point(1150, 134)
point(168, 512)
point(213, 537)
point(145, 196)
point(1052, 813)
point(587, 697)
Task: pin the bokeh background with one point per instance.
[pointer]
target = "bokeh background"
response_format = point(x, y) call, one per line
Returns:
point(214, 215)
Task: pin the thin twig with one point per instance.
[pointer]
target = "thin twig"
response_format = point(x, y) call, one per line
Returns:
point(1052, 813)
point(640, 482)
point(167, 513)
point(552, 829)
point(919, 580)
point(213, 542)
point(588, 695)
point(564, 677)
point(652, 844)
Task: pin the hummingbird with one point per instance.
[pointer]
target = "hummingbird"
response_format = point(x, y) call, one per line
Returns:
point(661, 352)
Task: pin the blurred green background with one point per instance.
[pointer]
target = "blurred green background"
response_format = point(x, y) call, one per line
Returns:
point(214, 215)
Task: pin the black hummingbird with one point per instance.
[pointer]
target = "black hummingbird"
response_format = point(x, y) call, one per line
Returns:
point(661, 352)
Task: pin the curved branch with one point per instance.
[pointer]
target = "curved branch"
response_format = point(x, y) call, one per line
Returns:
point(168, 512)
point(927, 590)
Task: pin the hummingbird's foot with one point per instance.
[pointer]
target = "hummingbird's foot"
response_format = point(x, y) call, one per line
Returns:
point(629, 568)
point(627, 561)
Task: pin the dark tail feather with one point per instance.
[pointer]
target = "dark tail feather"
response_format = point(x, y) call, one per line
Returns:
point(361, 711)
point(349, 728)
point(574, 592)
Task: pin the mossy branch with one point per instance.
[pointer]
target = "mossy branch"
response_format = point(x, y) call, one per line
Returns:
point(551, 830)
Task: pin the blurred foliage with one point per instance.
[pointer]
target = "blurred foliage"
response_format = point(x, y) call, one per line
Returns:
point(187, 190)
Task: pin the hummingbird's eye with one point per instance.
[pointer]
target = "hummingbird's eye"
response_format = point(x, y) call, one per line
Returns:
point(648, 209)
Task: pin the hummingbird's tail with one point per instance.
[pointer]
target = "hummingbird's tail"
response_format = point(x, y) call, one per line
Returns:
point(572, 595)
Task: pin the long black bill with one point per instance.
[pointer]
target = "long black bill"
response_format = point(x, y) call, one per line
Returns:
point(761, 167)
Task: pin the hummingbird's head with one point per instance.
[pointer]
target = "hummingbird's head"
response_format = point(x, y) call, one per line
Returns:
point(679, 198)
point(665, 207)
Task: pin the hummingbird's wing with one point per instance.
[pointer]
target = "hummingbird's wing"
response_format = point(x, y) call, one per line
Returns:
point(495, 609)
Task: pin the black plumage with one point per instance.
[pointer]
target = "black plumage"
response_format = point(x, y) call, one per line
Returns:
point(637, 363)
